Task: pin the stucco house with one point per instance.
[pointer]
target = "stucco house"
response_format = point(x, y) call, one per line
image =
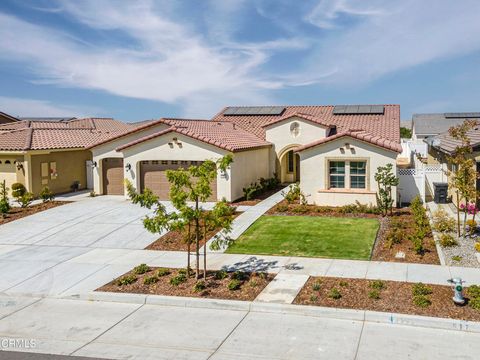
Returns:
point(332, 151)
point(46, 152)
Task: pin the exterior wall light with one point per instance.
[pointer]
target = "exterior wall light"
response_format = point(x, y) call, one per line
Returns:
point(19, 166)
point(128, 167)
point(94, 164)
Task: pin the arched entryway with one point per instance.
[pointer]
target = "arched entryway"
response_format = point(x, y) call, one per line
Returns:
point(289, 163)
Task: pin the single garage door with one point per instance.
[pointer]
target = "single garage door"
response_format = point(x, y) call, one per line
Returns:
point(153, 175)
point(112, 176)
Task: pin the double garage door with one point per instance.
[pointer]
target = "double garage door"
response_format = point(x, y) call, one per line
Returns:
point(153, 175)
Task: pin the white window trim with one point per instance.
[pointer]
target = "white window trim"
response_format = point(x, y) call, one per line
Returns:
point(347, 173)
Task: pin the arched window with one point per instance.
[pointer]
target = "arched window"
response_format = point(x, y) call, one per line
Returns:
point(7, 162)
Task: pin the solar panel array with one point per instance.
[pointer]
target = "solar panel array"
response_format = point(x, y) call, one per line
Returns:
point(254, 110)
point(358, 110)
point(465, 115)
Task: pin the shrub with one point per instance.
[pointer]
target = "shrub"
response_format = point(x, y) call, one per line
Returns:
point(420, 289)
point(394, 236)
point(374, 294)
point(471, 226)
point(334, 294)
point(253, 283)
point(294, 194)
point(46, 194)
point(239, 275)
point(18, 190)
point(477, 246)
point(447, 240)
point(199, 286)
point(92, 194)
point(313, 298)
point(126, 280)
point(456, 258)
point(422, 301)
point(473, 291)
point(475, 303)
point(442, 222)
point(234, 284)
point(163, 272)
point(25, 200)
point(417, 241)
point(141, 269)
point(281, 208)
point(220, 274)
point(149, 280)
point(177, 280)
point(316, 286)
point(343, 283)
point(302, 209)
point(4, 202)
point(377, 284)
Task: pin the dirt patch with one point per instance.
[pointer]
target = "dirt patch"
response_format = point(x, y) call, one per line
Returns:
point(17, 213)
point(216, 285)
point(174, 240)
point(394, 297)
point(258, 198)
point(385, 250)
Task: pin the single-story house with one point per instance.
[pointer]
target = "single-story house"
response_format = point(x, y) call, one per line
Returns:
point(46, 152)
point(332, 151)
point(428, 125)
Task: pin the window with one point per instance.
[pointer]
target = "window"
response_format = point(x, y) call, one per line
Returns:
point(164, 162)
point(290, 161)
point(174, 162)
point(358, 171)
point(337, 174)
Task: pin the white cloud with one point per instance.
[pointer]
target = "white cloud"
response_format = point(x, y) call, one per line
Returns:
point(40, 108)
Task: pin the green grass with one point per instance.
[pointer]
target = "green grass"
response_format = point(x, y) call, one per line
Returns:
point(309, 236)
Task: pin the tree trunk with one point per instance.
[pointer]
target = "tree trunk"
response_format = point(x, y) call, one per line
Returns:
point(188, 249)
point(458, 214)
point(205, 251)
point(197, 242)
point(465, 215)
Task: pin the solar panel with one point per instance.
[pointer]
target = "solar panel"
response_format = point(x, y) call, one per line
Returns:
point(464, 115)
point(358, 109)
point(254, 110)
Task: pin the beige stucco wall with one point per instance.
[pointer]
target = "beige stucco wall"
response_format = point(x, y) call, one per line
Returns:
point(247, 168)
point(283, 140)
point(70, 168)
point(9, 172)
point(314, 171)
point(107, 150)
point(159, 149)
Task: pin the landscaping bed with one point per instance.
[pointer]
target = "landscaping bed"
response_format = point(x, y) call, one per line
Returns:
point(174, 282)
point(387, 296)
point(331, 237)
point(174, 240)
point(257, 198)
point(16, 213)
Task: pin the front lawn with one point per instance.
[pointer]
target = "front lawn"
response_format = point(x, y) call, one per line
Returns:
point(330, 237)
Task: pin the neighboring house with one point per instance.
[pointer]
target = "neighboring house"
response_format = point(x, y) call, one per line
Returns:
point(5, 118)
point(333, 151)
point(47, 152)
point(427, 125)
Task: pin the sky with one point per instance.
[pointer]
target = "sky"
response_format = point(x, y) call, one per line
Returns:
point(138, 60)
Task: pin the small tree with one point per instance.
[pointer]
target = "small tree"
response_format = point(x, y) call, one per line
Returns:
point(463, 175)
point(192, 184)
point(4, 201)
point(386, 180)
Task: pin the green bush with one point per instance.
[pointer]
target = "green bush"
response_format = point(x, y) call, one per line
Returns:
point(199, 286)
point(177, 280)
point(141, 269)
point(475, 303)
point(447, 240)
point(343, 283)
point(46, 195)
point(421, 289)
point(239, 275)
point(281, 208)
point(394, 236)
point(334, 294)
point(92, 194)
point(18, 190)
point(422, 301)
point(473, 291)
point(257, 188)
point(442, 222)
point(220, 274)
point(313, 298)
point(316, 286)
point(234, 285)
point(163, 272)
point(374, 294)
point(359, 208)
point(294, 194)
point(126, 280)
point(149, 280)
point(4, 201)
point(253, 283)
point(25, 200)
point(377, 284)
point(300, 209)
point(456, 258)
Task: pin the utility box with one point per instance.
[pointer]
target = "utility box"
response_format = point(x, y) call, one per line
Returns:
point(440, 190)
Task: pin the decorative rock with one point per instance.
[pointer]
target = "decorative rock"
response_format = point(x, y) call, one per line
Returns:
point(400, 255)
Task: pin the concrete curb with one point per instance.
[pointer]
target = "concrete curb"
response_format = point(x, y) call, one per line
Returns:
point(290, 309)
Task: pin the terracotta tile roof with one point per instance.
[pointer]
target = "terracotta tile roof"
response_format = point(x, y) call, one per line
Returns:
point(225, 135)
point(447, 144)
point(382, 126)
point(359, 135)
point(38, 135)
point(308, 117)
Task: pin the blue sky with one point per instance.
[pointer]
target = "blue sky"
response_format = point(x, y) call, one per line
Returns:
point(136, 60)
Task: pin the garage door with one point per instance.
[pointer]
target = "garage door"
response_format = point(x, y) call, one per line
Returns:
point(153, 175)
point(112, 176)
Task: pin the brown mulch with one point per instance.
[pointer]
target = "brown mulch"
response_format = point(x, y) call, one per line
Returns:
point(382, 252)
point(216, 289)
point(16, 213)
point(173, 240)
point(258, 198)
point(395, 297)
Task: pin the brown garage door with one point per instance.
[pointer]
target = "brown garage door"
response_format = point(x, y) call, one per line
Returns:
point(112, 176)
point(153, 175)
